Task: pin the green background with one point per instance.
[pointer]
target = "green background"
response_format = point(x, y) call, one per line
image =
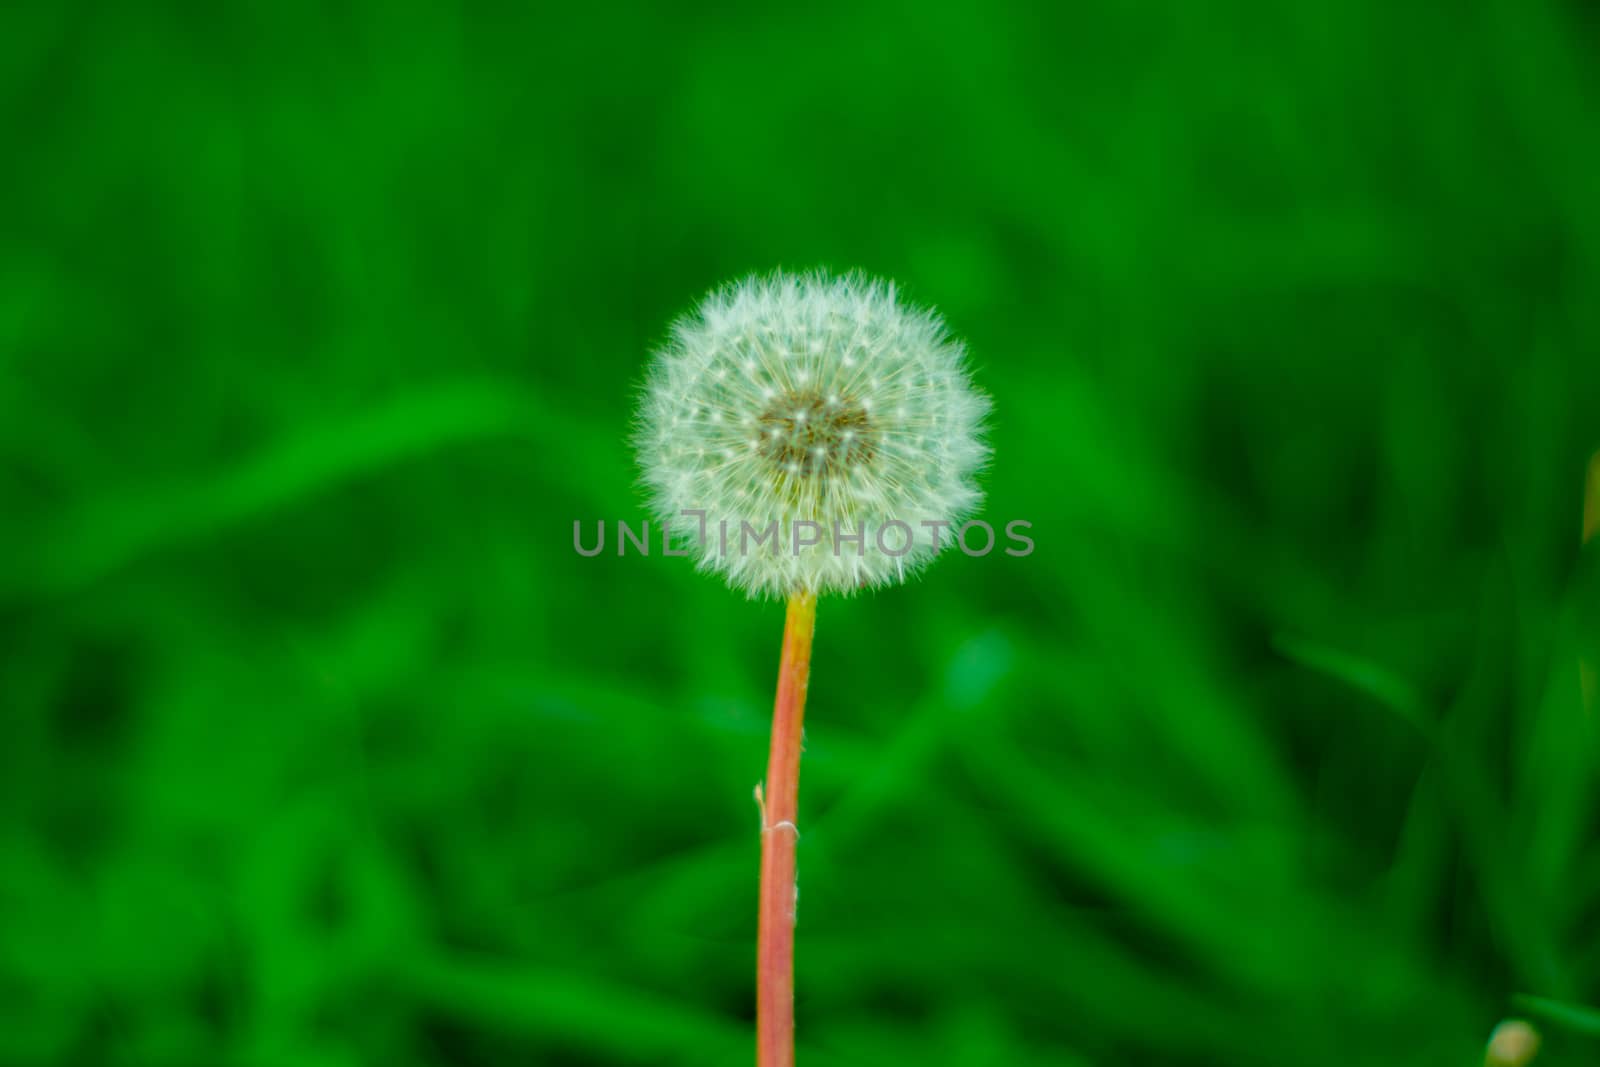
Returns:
point(321, 324)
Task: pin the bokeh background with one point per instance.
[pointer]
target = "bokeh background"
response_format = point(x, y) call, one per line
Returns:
point(321, 324)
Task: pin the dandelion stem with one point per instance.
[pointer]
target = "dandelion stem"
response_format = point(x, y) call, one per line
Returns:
point(780, 805)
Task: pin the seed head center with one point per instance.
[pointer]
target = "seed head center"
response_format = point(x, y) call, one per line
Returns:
point(809, 435)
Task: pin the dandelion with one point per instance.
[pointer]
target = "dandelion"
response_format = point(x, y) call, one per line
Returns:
point(822, 436)
point(824, 409)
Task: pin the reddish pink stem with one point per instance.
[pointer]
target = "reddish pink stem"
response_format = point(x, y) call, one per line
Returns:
point(780, 807)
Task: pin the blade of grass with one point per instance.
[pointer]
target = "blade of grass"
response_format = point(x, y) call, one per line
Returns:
point(116, 530)
point(1575, 1017)
point(631, 1024)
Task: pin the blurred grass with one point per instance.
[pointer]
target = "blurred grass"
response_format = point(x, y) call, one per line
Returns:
point(320, 326)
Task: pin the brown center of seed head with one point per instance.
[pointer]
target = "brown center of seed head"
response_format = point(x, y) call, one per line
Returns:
point(811, 434)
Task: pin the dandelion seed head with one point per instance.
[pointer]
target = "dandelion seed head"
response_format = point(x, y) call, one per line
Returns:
point(806, 434)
